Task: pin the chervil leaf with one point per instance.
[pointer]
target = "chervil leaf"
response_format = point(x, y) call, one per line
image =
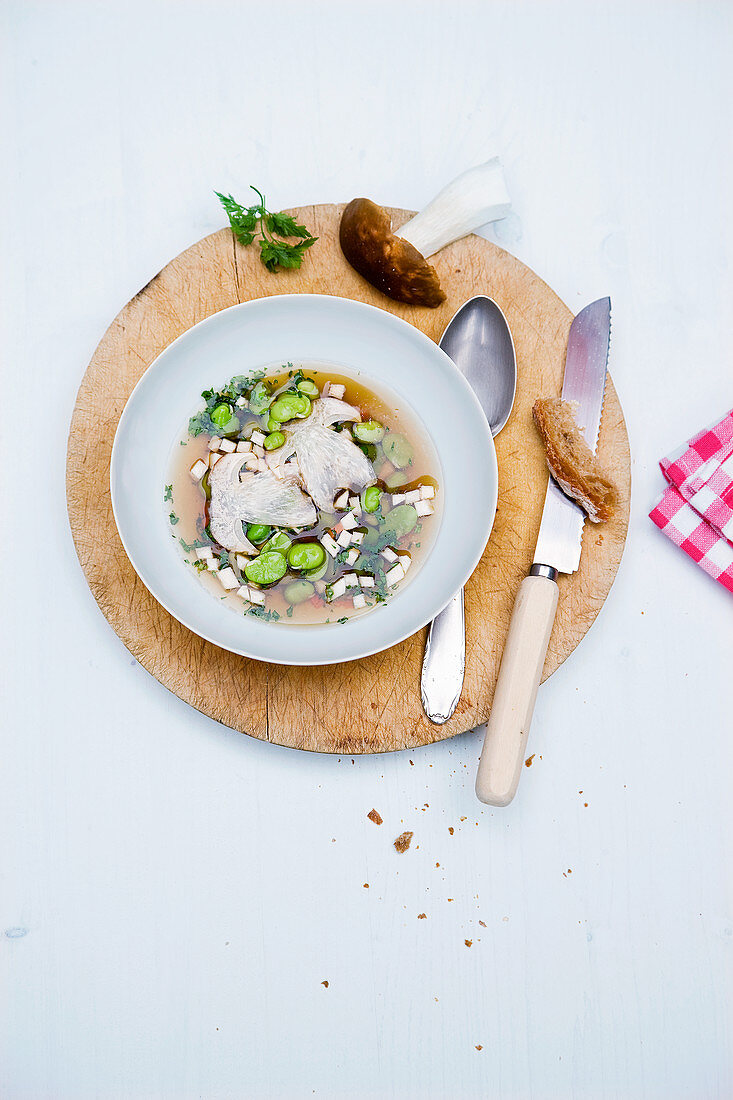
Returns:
point(247, 221)
point(243, 220)
point(285, 226)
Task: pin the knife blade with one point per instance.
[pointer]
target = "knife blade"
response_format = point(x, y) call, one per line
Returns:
point(561, 529)
point(558, 549)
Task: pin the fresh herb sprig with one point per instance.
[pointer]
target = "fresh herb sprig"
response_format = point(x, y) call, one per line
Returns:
point(249, 221)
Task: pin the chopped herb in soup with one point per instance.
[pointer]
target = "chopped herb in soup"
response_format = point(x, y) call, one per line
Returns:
point(302, 496)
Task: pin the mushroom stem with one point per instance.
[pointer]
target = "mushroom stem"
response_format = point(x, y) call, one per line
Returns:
point(474, 198)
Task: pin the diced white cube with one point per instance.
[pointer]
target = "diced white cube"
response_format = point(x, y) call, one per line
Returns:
point(350, 580)
point(243, 446)
point(241, 402)
point(424, 508)
point(389, 555)
point(329, 544)
point(258, 437)
point(357, 537)
point(366, 582)
point(336, 589)
point(359, 601)
point(198, 469)
point(227, 445)
point(244, 593)
point(412, 497)
point(228, 577)
point(214, 443)
point(427, 492)
point(241, 560)
point(344, 539)
point(342, 501)
point(336, 390)
point(354, 502)
point(349, 522)
point(214, 458)
point(258, 450)
point(395, 575)
point(352, 557)
point(204, 552)
point(397, 498)
point(405, 561)
point(257, 597)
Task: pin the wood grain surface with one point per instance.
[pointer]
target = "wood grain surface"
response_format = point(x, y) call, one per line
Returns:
point(372, 705)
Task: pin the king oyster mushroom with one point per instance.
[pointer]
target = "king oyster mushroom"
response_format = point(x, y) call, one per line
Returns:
point(327, 460)
point(253, 498)
point(397, 264)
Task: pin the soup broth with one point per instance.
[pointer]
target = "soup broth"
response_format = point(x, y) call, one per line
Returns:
point(323, 564)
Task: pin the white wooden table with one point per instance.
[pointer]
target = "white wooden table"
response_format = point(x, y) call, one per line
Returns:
point(175, 896)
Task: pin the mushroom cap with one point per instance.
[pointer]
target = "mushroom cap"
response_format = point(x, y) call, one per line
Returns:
point(390, 263)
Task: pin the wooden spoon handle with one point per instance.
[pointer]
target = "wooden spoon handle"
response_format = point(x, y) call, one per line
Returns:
point(516, 690)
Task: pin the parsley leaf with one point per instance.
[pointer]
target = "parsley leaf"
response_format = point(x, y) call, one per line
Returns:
point(168, 494)
point(247, 221)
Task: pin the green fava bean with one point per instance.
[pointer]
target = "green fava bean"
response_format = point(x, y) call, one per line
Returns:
point(286, 407)
point(298, 591)
point(371, 498)
point(273, 441)
point(400, 521)
point(279, 541)
point(319, 573)
point(305, 406)
point(398, 449)
point(269, 567)
point(395, 480)
point(306, 555)
point(258, 532)
point(221, 415)
point(369, 431)
point(309, 388)
point(272, 424)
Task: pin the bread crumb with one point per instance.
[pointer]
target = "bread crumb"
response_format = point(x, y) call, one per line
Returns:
point(366, 885)
point(479, 1047)
point(528, 761)
point(325, 983)
point(422, 916)
point(450, 830)
point(402, 843)
point(482, 923)
point(374, 816)
point(468, 942)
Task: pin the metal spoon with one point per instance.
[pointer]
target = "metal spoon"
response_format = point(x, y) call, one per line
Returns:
point(480, 344)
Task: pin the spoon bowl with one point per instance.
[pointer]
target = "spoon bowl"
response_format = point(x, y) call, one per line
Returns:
point(480, 344)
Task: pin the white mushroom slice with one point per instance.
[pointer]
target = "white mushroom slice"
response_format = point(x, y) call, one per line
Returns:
point(328, 462)
point(331, 410)
point(253, 498)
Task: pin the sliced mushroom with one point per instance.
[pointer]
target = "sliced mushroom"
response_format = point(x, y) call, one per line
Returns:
point(261, 497)
point(327, 460)
point(397, 263)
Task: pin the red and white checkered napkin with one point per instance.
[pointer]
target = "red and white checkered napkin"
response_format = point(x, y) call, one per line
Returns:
point(696, 511)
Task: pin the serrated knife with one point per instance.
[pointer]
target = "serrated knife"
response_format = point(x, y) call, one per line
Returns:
point(557, 551)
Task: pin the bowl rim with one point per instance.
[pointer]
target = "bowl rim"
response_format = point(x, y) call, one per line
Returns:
point(328, 300)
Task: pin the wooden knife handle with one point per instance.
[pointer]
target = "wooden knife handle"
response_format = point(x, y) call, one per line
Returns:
point(516, 690)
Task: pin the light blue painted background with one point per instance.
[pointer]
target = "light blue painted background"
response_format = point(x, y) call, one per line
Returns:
point(173, 894)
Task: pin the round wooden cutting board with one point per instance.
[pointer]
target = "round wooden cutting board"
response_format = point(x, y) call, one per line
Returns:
point(372, 705)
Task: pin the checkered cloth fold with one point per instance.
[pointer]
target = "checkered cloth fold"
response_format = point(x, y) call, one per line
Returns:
point(696, 511)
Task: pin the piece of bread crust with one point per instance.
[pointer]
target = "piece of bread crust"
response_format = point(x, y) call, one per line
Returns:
point(571, 462)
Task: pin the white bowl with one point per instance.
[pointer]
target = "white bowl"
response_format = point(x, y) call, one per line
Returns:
point(304, 328)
